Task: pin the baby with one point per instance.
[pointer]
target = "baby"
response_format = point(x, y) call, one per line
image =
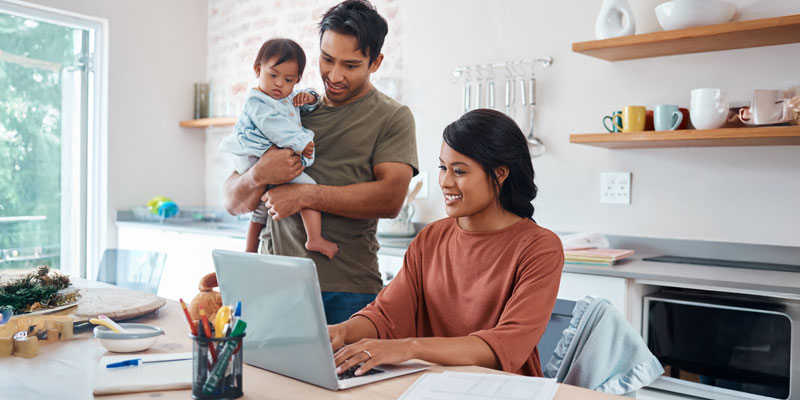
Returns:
point(271, 117)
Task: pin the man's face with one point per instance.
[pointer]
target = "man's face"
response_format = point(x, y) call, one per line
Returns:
point(344, 69)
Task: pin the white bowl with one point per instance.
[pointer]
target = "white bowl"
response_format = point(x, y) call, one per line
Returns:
point(137, 337)
point(679, 14)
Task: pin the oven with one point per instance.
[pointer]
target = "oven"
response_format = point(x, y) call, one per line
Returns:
point(724, 346)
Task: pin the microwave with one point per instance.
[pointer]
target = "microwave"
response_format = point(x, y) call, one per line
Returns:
point(724, 346)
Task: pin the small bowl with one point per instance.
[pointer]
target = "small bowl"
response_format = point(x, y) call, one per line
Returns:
point(680, 14)
point(138, 337)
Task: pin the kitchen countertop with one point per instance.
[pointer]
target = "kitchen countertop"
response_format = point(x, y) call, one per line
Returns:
point(235, 227)
point(752, 281)
point(228, 229)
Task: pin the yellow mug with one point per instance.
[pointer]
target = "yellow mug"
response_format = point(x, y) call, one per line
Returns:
point(633, 119)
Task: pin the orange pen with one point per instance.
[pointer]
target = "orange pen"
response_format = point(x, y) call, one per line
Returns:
point(207, 330)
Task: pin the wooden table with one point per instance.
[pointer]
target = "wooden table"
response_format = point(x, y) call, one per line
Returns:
point(68, 367)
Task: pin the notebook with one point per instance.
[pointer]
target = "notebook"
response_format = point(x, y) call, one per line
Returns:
point(595, 256)
point(144, 377)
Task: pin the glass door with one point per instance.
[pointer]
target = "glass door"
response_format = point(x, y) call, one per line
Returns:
point(47, 102)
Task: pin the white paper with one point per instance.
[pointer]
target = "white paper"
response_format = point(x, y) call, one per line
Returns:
point(463, 385)
point(144, 377)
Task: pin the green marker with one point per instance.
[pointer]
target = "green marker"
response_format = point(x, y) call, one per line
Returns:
point(222, 360)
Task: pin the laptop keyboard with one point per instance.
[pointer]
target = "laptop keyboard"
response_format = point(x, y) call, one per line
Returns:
point(351, 373)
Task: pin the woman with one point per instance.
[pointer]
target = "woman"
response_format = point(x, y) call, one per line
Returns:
point(476, 288)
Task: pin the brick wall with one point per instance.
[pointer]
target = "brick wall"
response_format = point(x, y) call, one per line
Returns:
point(236, 30)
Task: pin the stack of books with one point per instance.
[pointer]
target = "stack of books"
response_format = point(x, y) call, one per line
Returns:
point(595, 256)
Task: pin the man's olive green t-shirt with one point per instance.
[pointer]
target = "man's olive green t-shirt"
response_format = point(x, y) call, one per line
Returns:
point(349, 141)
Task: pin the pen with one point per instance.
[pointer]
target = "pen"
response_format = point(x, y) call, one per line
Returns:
point(188, 318)
point(138, 361)
point(207, 329)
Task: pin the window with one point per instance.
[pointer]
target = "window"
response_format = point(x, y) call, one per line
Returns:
point(52, 157)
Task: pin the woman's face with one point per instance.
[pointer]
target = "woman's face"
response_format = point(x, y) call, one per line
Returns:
point(466, 187)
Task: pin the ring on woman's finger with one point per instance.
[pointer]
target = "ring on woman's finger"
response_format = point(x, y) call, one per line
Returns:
point(368, 354)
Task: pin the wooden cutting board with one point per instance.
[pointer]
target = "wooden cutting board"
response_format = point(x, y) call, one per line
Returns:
point(116, 303)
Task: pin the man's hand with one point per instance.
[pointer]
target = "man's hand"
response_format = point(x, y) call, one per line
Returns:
point(308, 152)
point(372, 352)
point(303, 98)
point(276, 166)
point(285, 200)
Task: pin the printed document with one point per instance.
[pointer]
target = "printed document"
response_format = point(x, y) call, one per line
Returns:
point(463, 385)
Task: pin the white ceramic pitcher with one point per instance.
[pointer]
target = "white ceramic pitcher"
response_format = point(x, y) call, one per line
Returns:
point(609, 20)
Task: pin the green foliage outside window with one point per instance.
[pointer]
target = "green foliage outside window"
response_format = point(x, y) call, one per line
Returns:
point(32, 56)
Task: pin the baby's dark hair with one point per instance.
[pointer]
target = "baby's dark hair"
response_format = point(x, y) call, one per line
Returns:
point(284, 50)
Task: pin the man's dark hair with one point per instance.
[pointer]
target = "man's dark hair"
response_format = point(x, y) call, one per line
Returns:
point(360, 19)
point(284, 50)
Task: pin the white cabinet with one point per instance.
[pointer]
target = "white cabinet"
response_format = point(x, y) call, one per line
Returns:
point(188, 256)
point(575, 286)
point(389, 265)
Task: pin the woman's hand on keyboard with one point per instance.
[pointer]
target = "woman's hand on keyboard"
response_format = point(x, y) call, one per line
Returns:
point(373, 352)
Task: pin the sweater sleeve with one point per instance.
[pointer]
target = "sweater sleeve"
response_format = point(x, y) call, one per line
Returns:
point(307, 108)
point(527, 311)
point(394, 311)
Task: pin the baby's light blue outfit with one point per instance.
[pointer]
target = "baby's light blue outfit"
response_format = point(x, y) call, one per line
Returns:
point(265, 122)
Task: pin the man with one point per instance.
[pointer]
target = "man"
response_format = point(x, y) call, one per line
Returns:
point(366, 157)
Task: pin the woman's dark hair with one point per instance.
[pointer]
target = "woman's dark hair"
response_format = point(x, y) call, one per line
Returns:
point(284, 50)
point(360, 19)
point(493, 139)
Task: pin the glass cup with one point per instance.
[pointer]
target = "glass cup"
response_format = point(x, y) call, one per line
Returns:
point(220, 379)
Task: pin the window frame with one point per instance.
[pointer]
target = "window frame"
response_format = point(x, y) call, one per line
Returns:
point(82, 244)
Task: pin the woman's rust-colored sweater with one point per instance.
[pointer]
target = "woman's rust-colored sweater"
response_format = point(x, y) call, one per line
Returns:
point(500, 286)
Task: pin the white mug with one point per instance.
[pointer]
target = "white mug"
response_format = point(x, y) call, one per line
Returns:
point(708, 108)
point(769, 107)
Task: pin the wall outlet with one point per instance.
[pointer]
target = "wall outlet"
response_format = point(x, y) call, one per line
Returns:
point(423, 191)
point(615, 188)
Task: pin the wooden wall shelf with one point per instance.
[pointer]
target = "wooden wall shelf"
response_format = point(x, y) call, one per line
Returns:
point(209, 122)
point(732, 35)
point(757, 136)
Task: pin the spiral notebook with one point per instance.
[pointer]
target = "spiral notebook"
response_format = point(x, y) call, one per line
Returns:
point(146, 377)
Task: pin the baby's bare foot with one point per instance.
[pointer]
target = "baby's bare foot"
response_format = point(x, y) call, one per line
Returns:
point(323, 246)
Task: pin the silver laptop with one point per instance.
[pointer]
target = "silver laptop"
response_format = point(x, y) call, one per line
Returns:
point(286, 329)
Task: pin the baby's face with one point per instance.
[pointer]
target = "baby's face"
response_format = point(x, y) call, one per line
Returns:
point(277, 81)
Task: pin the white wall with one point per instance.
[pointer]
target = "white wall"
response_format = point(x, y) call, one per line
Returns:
point(736, 194)
point(157, 50)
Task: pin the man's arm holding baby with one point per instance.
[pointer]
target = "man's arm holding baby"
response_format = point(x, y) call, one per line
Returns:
point(243, 192)
point(381, 198)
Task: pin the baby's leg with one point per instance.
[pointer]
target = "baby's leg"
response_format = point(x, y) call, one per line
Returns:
point(312, 221)
point(253, 236)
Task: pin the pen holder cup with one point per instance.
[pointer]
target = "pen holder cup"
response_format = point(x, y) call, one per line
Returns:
point(220, 379)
